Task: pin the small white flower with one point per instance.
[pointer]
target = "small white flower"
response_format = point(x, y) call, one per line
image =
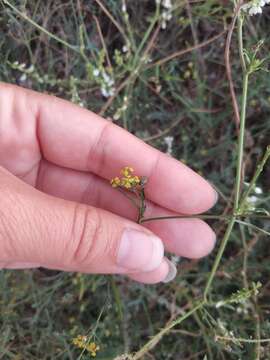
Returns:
point(163, 15)
point(252, 199)
point(107, 92)
point(163, 24)
point(96, 72)
point(23, 77)
point(110, 82)
point(111, 91)
point(166, 14)
point(255, 10)
point(125, 49)
point(124, 7)
point(30, 69)
point(219, 304)
point(258, 190)
point(167, 4)
point(254, 7)
point(106, 77)
point(169, 142)
point(104, 92)
point(242, 309)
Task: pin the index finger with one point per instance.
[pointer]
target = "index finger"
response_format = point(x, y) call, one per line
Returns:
point(76, 138)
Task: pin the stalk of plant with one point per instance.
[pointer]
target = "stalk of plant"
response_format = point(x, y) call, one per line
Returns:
point(250, 64)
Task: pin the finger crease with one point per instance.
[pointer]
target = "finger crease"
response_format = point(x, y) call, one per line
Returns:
point(96, 158)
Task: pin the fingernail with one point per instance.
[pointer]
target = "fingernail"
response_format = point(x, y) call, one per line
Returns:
point(171, 273)
point(139, 251)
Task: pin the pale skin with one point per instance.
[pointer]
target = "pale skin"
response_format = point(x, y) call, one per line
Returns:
point(58, 209)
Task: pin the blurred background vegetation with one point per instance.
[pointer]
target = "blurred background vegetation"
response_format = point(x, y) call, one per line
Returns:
point(157, 70)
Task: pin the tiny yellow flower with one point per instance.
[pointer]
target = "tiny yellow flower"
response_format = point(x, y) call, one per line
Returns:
point(81, 342)
point(136, 179)
point(93, 348)
point(127, 181)
point(115, 182)
point(127, 184)
point(127, 170)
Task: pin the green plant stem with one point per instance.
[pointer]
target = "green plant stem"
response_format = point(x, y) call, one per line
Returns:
point(151, 343)
point(146, 36)
point(241, 143)
point(205, 217)
point(116, 24)
point(142, 207)
point(219, 256)
point(240, 42)
point(117, 297)
point(236, 209)
point(256, 216)
point(242, 340)
point(257, 228)
point(239, 167)
point(123, 192)
point(254, 179)
point(48, 33)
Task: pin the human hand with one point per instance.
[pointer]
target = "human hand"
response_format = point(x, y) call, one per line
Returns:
point(58, 210)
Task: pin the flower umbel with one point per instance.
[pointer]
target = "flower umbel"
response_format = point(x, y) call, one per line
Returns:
point(135, 184)
point(128, 180)
point(254, 7)
point(82, 342)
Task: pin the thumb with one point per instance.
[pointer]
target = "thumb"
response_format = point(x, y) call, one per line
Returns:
point(59, 234)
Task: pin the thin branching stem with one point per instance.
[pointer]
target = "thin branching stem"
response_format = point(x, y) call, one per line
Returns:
point(240, 42)
point(42, 29)
point(218, 217)
point(242, 340)
point(152, 343)
point(219, 256)
point(239, 167)
point(238, 204)
point(252, 226)
point(204, 217)
point(240, 153)
point(254, 179)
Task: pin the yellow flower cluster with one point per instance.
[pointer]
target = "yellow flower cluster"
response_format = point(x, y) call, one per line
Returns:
point(127, 181)
point(81, 342)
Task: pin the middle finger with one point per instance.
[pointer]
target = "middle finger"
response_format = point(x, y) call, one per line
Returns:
point(187, 237)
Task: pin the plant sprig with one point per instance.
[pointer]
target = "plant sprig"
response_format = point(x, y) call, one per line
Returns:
point(250, 64)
